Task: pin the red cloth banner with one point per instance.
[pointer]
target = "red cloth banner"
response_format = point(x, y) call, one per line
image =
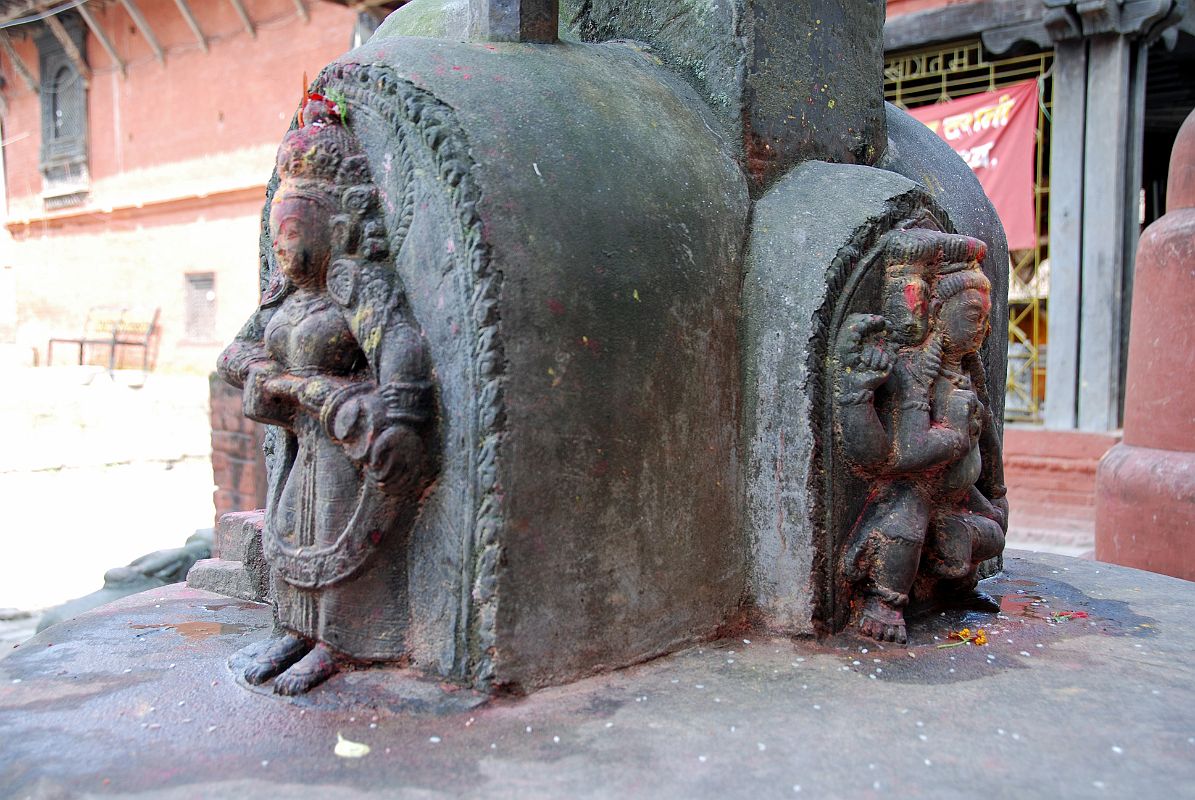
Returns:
point(994, 133)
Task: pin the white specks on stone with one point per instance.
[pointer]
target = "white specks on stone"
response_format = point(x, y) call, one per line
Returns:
point(609, 724)
point(800, 659)
point(923, 737)
point(1039, 645)
point(373, 725)
point(730, 661)
point(871, 766)
point(16, 680)
point(1000, 731)
point(1098, 784)
point(265, 762)
point(170, 667)
point(927, 763)
point(761, 746)
point(717, 699)
point(797, 787)
point(556, 740)
point(746, 641)
point(804, 686)
point(1008, 640)
point(920, 724)
point(187, 719)
point(817, 707)
point(154, 726)
point(1117, 750)
point(862, 649)
point(211, 728)
point(876, 785)
point(1025, 653)
point(528, 729)
point(127, 670)
point(182, 702)
point(856, 663)
point(699, 686)
point(434, 739)
point(872, 676)
point(493, 746)
point(951, 669)
point(1017, 736)
point(676, 680)
point(875, 661)
point(701, 759)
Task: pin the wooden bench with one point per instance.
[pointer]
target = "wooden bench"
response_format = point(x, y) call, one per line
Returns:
point(113, 327)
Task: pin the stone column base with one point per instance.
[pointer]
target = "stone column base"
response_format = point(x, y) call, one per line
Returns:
point(1145, 510)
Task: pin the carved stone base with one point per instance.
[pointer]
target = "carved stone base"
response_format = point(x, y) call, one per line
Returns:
point(239, 568)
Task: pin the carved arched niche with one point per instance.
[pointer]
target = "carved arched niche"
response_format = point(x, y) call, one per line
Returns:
point(817, 256)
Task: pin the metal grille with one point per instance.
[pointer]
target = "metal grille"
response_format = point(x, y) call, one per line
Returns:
point(199, 319)
point(937, 75)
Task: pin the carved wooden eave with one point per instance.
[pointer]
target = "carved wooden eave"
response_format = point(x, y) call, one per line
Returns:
point(1136, 19)
point(999, 24)
point(1002, 24)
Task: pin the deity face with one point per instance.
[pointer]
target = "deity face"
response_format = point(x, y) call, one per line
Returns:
point(906, 310)
point(300, 232)
point(963, 319)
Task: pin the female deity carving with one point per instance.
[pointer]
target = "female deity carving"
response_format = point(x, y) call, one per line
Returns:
point(334, 358)
point(914, 422)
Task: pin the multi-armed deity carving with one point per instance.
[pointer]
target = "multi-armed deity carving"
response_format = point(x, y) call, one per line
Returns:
point(334, 358)
point(914, 422)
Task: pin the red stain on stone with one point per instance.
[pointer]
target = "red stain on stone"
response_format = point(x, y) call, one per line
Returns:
point(914, 299)
point(555, 306)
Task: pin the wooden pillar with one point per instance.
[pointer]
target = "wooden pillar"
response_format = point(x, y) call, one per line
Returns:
point(1095, 178)
point(1066, 228)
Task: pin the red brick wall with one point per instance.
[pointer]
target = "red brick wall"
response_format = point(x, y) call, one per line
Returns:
point(1051, 485)
point(238, 466)
point(179, 154)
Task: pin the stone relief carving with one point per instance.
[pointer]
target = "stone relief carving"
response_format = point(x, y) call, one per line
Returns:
point(914, 423)
point(335, 359)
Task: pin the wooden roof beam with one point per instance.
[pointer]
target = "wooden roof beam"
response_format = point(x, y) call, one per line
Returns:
point(146, 31)
point(104, 41)
point(239, 7)
point(18, 63)
point(301, 7)
point(68, 44)
point(192, 23)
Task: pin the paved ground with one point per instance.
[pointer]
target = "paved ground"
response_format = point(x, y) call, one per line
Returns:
point(136, 701)
point(94, 473)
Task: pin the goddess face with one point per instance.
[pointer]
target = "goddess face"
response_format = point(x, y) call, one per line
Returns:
point(964, 320)
point(300, 232)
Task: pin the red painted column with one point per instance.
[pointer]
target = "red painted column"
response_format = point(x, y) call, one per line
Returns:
point(1145, 487)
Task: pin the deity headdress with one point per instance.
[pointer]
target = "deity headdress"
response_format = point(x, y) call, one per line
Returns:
point(322, 161)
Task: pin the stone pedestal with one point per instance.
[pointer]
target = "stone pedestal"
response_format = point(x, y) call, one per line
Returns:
point(136, 700)
point(1145, 495)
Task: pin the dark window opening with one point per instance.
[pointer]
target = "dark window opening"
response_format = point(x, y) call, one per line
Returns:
point(65, 177)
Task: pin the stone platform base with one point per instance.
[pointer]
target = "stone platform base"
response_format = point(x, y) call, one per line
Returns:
point(135, 700)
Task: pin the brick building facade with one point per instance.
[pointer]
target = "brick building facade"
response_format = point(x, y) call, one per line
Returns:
point(178, 139)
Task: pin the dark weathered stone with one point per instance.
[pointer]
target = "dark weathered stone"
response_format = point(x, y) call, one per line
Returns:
point(574, 276)
point(792, 81)
point(238, 567)
point(514, 20)
point(334, 357)
point(913, 420)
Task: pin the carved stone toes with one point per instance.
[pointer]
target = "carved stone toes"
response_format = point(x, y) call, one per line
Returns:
point(275, 656)
point(310, 671)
